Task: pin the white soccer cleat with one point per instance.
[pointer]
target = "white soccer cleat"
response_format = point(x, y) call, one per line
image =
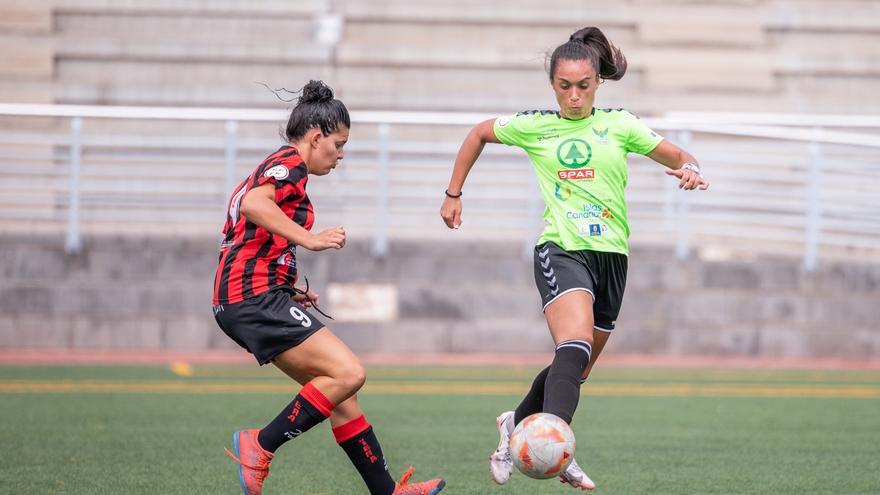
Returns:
point(576, 477)
point(500, 462)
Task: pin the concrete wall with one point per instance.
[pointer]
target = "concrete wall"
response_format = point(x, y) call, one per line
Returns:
point(453, 297)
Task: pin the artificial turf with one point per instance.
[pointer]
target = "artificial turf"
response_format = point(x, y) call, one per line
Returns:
point(133, 430)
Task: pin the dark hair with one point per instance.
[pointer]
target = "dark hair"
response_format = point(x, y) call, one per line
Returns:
point(316, 107)
point(590, 44)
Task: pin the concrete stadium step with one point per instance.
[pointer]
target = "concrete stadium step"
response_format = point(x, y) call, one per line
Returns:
point(26, 17)
point(26, 56)
point(484, 46)
point(276, 8)
point(818, 15)
point(430, 88)
point(825, 51)
point(821, 16)
point(188, 38)
point(203, 83)
point(492, 11)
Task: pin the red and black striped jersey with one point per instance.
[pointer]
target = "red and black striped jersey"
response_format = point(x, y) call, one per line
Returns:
point(252, 259)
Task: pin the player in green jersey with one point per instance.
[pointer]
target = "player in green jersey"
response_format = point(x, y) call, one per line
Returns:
point(579, 155)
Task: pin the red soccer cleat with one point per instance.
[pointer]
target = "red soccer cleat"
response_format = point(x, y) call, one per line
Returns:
point(431, 487)
point(253, 461)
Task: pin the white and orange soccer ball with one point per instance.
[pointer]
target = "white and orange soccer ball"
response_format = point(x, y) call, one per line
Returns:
point(542, 446)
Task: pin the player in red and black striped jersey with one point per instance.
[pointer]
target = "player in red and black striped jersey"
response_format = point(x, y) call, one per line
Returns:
point(256, 304)
point(252, 259)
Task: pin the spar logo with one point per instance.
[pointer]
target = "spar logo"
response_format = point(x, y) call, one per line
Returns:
point(574, 154)
point(582, 174)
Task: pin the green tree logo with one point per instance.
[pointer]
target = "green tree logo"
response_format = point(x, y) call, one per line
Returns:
point(574, 153)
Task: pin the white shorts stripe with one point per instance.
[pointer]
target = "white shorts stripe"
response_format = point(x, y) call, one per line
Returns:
point(566, 292)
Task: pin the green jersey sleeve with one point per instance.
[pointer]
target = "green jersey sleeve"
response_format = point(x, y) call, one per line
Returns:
point(514, 130)
point(640, 138)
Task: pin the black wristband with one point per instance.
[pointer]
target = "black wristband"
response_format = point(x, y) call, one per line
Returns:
point(452, 195)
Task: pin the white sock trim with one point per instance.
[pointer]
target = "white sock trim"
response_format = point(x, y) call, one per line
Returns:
point(580, 344)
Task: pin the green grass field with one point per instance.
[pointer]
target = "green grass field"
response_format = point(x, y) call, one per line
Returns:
point(132, 430)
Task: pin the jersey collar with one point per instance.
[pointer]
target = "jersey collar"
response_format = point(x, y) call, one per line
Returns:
point(585, 120)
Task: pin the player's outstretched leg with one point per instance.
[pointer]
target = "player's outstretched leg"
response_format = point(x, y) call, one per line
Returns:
point(500, 462)
point(576, 477)
point(253, 450)
point(339, 376)
point(253, 461)
point(357, 439)
point(430, 487)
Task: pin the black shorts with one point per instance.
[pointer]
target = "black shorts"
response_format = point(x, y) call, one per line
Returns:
point(603, 275)
point(268, 324)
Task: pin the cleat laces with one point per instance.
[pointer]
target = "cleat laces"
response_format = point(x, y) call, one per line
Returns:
point(261, 471)
point(404, 479)
point(404, 488)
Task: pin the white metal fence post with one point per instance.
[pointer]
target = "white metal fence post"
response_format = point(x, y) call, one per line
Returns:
point(813, 228)
point(73, 241)
point(380, 239)
point(231, 153)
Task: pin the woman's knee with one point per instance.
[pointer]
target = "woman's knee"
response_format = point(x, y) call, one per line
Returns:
point(351, 376)
point(573, 331)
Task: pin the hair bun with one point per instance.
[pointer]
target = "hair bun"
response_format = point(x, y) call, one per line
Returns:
point(315, 92)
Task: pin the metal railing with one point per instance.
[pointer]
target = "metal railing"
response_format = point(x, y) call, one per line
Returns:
point(807, 185)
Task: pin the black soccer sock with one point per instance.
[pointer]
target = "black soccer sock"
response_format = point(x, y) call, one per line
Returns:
point(307, 409)
point(533, 402)
point(360, 444)
point(563, 387)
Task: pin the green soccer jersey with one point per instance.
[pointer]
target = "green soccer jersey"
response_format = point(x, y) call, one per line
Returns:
point(582, 172)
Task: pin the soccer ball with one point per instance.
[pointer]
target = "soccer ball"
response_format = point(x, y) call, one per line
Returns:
point(542, 446)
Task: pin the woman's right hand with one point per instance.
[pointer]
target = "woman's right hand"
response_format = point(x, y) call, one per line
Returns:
point(451, 212)
point(333, 237)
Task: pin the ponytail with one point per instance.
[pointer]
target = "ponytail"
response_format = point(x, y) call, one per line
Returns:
point(590, 43)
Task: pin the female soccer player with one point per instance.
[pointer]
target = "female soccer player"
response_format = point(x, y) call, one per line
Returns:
point(256, 305)
point(579, 156)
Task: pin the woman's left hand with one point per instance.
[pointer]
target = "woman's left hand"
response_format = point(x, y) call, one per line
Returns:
point(304, 300)
point(690, 180)
point(450, 212)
